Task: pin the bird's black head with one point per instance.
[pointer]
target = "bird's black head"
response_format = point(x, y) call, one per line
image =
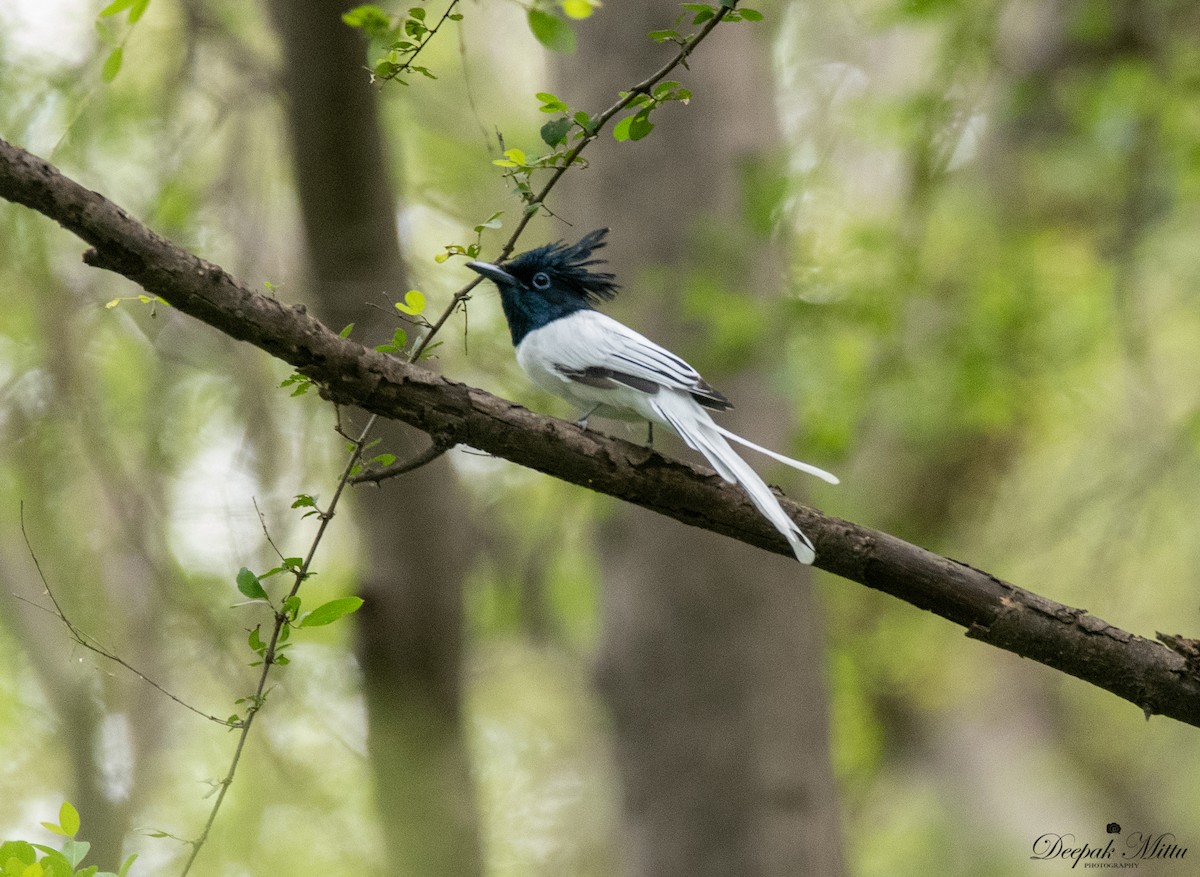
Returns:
point(542, 285)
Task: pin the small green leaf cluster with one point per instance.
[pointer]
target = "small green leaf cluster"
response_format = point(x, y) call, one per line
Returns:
point(402, 36)
point(299, 383)
point(554, 132)
point(397, 344)
point(290, 613)
point(20, 859)
point(116, 56)
point(637, 125)
point(557, 134)
point(305, 501)
point(413, 306)
point(153, 300)
point(702, 12)
point(471, 251)
point(379, 460)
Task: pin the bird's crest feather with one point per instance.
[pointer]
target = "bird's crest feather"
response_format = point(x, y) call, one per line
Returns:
point(570, 264)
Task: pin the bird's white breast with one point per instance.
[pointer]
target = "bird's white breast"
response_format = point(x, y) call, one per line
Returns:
point(577, 342)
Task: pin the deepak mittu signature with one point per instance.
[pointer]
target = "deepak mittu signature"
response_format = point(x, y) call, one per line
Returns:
point(1138, 846)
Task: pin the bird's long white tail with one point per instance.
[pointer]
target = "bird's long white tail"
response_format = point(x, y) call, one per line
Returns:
point(774, 455)
point(701, 433)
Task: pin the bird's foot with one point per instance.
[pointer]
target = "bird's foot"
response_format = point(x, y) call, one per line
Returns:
point(582, 422)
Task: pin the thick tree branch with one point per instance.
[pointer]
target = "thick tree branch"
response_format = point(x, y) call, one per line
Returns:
point(1155, 678)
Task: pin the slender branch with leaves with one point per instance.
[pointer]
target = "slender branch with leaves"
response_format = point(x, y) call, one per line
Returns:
point(403, 38)
point(286, 614)
point(589, 129)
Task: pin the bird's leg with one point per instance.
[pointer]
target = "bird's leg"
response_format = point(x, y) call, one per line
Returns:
point(650, 433)
point(582, 422)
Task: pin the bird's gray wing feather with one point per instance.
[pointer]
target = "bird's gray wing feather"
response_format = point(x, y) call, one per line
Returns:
point(602, 352)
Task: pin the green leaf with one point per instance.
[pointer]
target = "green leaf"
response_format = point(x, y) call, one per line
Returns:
point(345, 333)
point(20, 850)
point(414, 302)
point(399, 339)
point(112, 64)
point(552, 32)
point(68, 819)
point(551, 102)
point(52, 864)
point(371, 19)
point(586, 122)
point(138, 10)
point(327, 613)
point(662, 36)
point(76, 851)
point(302, 382)
point(640, 125)
point(115, 8)
point(303, 500)
point(621, 129)
point(578, 8)
point(750, 14)
point(492, 221)
point(703, 11)
point(126, 865)
point(555, 131)
point(248, 584)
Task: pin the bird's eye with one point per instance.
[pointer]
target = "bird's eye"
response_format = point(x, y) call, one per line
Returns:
point(541, 280)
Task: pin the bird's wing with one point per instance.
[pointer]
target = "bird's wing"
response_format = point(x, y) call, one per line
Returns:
point(599, 351)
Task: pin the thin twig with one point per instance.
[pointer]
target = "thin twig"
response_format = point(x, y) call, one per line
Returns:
point(406, 67)
point(262, 520)
point(375, 476)
point(597, 126)
point(269, 655)
point(92, 644)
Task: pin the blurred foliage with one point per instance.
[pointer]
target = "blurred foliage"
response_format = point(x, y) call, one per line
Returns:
point(992, 334)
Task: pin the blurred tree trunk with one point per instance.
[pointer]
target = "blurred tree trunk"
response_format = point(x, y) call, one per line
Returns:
point(111, 724)
point(418, 542)
point(712, 656)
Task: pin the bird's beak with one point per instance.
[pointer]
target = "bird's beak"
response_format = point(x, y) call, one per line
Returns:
point(494, 273)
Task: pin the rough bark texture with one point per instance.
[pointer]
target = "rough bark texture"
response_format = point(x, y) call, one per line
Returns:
point(410, 634)
point(712, 657)
point(1155, 678)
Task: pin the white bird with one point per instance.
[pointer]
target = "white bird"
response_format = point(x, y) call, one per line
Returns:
point(573, 351)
